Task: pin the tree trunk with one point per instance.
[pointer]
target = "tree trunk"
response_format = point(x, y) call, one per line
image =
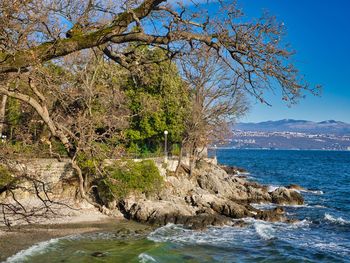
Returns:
point(180, 160)
point(55, 131)
point(2, 114)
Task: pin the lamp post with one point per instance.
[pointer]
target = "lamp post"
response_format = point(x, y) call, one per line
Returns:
point(165, 146)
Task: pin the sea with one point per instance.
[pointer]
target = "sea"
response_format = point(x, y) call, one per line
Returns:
point(321, 233)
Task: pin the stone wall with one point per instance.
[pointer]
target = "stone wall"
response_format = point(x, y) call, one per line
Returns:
point(48, 170)
point(57, 177)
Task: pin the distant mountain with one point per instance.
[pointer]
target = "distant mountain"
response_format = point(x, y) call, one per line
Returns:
point(323, 127)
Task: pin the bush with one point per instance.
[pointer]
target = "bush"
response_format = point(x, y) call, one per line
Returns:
point(125, 177)
point(5, 176)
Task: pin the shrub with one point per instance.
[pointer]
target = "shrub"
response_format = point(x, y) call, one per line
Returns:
point(125, 177)
point(5, 176)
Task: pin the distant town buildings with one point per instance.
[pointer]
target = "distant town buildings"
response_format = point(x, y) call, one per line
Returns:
point(287, 140)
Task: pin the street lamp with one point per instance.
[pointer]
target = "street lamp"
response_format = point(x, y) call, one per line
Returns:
point(165, 147)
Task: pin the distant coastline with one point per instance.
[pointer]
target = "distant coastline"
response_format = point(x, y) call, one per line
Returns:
point(213, 148)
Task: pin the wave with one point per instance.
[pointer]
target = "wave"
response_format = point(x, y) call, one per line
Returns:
point(301, 224)
point(242, 173)
point(296, 206)
point(338, 220)
point(264, 206)
point(216, 236)
point(37, 249)
point(319, 206)
point(268, 206)
point(145, 258)
point(225, 236)
point(265, 231)
point(316, 192)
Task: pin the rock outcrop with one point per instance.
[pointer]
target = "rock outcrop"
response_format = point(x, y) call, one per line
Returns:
point(284, 196)
point(210, 196)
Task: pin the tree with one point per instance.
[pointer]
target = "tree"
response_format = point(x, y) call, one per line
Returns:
point(158, 99)
point(216, 99)
point(81, 104)
point(253, 51)
point(2, 114)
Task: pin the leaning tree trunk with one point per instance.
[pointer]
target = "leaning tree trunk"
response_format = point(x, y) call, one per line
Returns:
point(2, 113)
point(56, 132)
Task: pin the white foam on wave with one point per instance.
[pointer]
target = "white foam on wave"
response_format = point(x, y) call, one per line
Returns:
point(145, 258)
point(319, 206)
point(301, 224)
point(37, 249)
point(338, 220)
point(316, 192)
point(222, 236)
point(265, 231)
point(242, 173)
point(263, 206)
point(295, 206)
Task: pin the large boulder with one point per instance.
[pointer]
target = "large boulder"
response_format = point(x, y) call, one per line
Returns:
point(284, 196)
point(159, 212)
point(164, 212)
point(231, 209)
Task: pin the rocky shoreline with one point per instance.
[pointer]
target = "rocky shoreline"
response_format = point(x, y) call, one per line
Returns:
point(210, 196)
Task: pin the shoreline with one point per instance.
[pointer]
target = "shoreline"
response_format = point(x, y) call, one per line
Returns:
point(22, 237)
point(205, 201)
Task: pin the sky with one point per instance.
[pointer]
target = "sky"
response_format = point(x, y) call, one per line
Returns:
point(319, 31)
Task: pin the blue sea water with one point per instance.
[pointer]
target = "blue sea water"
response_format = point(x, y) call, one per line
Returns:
point(322, 233)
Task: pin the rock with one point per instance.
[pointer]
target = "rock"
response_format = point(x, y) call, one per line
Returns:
point(159, 212)
point(233, 170)
point(286, 196)
point(273, 215)
point(112, 205)
point(202, 220)
point(98, 254)
point(209, 197)
point(231, 209)
point(239, 223)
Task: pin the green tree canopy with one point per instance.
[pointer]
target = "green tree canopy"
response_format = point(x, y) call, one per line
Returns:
point(158, 100)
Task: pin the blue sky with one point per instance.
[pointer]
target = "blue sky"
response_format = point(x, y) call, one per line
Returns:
point(319, 31)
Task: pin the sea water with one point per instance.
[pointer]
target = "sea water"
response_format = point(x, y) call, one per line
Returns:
point(321, 234)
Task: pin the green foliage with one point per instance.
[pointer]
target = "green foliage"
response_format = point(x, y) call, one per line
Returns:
point(19, 148)
point(13, 116)
point(158, 99)
point(128, 176)
point(5, 176)
point(175, 149)
point(87, 163)
point(58, 147)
